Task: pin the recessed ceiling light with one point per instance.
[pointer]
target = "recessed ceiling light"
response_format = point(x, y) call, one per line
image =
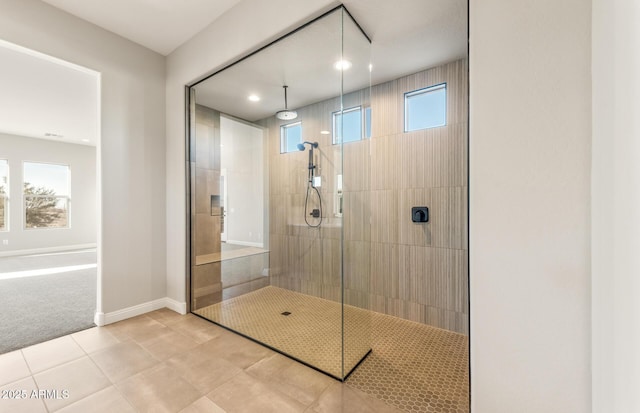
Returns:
point(254, 98)
point(325, 132)
point(85, 140)
point(342, 65)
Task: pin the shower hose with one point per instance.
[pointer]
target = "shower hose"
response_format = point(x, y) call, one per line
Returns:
point(306, 202)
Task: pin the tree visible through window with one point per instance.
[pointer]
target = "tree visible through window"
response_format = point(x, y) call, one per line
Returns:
point(46, 195)
point(4, 194)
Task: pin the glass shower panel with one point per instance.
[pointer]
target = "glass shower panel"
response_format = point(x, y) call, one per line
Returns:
point(356, 186)
point(278, 208)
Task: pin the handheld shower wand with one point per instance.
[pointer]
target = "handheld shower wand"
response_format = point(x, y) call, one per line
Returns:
point(316, 213)
point(311, 165)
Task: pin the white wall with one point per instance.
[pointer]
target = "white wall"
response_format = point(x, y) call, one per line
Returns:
point(132, 152)
point(530, 153)
point(616, 206)
point(242, 156)
point(81, 160)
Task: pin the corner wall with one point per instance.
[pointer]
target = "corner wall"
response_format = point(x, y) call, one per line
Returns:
point(132, 144)
point(530, 155)
point(615, 201)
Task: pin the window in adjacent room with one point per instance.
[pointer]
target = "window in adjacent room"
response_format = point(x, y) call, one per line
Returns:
point(4, 195)
point(348, 125)
point(46, 188)
point(290, 137)
point(425, 108)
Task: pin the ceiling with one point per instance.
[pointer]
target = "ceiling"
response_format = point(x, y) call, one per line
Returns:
point(44, 97)
point(159, 25)
point(303, 61)
point(406, 37)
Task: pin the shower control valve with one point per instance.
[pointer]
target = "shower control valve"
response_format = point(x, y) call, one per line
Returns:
point(420, 214)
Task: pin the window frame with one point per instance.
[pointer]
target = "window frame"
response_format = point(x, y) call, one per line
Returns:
point(424, 91)
point(65, 197)
point(6, 199)
point(283, 135)
point(363, 122)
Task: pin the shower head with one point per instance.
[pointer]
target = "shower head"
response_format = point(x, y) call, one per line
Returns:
point(286, 114)
point(312, 144)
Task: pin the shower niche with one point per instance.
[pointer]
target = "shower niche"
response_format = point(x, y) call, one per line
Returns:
point(279, 208)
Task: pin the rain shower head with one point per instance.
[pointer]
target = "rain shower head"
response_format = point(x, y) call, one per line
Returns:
point(286, 114)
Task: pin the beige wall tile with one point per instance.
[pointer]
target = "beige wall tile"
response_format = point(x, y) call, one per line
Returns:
point(416, 271)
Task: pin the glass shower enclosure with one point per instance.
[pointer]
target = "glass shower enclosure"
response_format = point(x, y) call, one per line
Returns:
point(278, 176)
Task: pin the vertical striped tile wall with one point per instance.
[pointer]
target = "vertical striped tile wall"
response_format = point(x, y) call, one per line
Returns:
point(206, 283)
point(393, 266)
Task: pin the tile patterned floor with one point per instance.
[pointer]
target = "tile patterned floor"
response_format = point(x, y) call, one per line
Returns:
point(414, 367)
point(312, 332)
point(165, 362)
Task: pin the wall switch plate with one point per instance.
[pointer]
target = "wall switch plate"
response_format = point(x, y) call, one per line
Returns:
point(317, 181)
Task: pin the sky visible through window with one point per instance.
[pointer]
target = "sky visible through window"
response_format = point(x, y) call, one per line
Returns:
point(50, 176)
point(426, 108)
point(350, 120)
point(291, 137)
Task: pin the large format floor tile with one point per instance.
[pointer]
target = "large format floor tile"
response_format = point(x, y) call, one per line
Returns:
point(165, 362)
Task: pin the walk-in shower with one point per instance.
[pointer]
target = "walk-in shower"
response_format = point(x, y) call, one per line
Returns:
point(291, 288)
point(334, 231)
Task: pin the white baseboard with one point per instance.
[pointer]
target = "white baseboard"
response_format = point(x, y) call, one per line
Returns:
point(46, 250)
point(177, 306)
point(102, 319)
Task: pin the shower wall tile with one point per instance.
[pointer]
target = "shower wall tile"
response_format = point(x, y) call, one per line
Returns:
point(384, 280)
point(357, 268)
point(385, 111)
point(356, 162)
point(207, 184)
point(357, 213)
point(391, 265)
point(207, 237)
point(384, 216)
point(448, 217)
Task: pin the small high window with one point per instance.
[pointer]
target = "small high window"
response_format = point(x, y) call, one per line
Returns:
point(425, 108)
point(4, 195)
point(349, 124)
point(46, 190)
point(367, 122)
point(290, 137)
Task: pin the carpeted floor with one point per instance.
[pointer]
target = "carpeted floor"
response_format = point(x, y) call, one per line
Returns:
point(36, 306)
